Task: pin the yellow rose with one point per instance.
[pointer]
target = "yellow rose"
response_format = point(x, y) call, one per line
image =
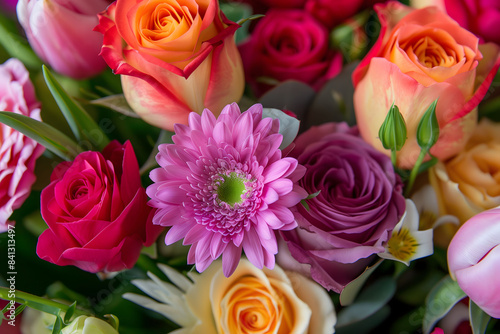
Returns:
point(469, 183)
point(250, 301)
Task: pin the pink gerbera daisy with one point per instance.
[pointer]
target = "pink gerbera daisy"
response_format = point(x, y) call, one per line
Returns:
point(224, 187)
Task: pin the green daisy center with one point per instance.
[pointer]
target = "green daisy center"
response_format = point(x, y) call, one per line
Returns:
point(231, 188)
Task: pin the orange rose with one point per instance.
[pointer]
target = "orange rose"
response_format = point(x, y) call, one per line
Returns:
point(250, 301)
point(469, 183)
point(422, 55)
point(175, 56)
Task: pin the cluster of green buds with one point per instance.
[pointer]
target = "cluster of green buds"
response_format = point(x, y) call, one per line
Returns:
point(393, 135)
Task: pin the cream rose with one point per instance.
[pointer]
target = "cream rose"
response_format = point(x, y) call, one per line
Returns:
point(250, 301)
point(469, 183)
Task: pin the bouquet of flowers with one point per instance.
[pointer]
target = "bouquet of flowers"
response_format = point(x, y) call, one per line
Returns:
point(253, 166)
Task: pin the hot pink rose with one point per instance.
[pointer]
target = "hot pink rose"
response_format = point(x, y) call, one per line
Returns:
point(97, 212)
point(289, 44)
point(331, 12)
point(422, 55)
point(359, 203)
point(18, 153)
point(60, 32)
point(175, 56)
point(474, 260)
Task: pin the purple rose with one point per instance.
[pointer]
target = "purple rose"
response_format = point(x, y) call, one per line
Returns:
point(359, 204)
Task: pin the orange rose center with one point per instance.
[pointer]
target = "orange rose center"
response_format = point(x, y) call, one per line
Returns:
point(432, 50)
point(250, 307)
point(163, 21)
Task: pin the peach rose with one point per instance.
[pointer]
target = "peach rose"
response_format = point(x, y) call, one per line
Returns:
point(422, 55)
point(250, 301)
point(469, 183)
point(175, 56)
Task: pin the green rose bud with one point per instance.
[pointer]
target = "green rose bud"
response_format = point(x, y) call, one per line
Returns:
point(392, 132)
point(428, 128)
point(88, 325)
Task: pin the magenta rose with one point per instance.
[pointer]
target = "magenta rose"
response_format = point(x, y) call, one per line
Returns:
point(18, 153)
point(97, 212)
point(288, 44)
point(359, 203)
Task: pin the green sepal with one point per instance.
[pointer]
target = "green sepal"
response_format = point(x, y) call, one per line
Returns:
point(58, 325)
point(69, 313)
point(428, 128)
point(113, 320)
point(250, 18)
point(82, 125)
point(48, 136)
point(392, 132)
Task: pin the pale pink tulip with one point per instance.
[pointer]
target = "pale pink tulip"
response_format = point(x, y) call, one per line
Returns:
point(474, 260)
point(61, 33)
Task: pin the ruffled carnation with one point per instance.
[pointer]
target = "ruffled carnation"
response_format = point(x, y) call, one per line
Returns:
point(224, 187)
point(18, 153)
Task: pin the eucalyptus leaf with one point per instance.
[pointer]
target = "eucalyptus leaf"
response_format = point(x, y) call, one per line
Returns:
point(291, 95)
point(117, 103)
point(367, 325)
point(478, 318)
point(82, 125)
point(369, 301)
point(48, 136)
point(440, 300)
point(289, 126)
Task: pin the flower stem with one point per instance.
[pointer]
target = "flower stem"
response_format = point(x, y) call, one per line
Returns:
point(393, 157)
point(414, 171)
point(36, 302)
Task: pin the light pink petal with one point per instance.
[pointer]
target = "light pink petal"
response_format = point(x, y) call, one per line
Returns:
point(230, 259)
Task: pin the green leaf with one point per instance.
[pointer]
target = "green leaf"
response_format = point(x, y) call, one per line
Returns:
point(428, 128)
point(69, 313)
point(351, 290)
point(478, 318)
point(439, 302)
point(369, 301)
point(48, 136)
point(289, 126)
point(117, 103)
point(17, 46)
point(82, 125)
point(392, 132)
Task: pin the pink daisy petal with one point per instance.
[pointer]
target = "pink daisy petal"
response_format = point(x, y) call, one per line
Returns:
point(253, 249)
point(223, 187)
point(230, 259)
